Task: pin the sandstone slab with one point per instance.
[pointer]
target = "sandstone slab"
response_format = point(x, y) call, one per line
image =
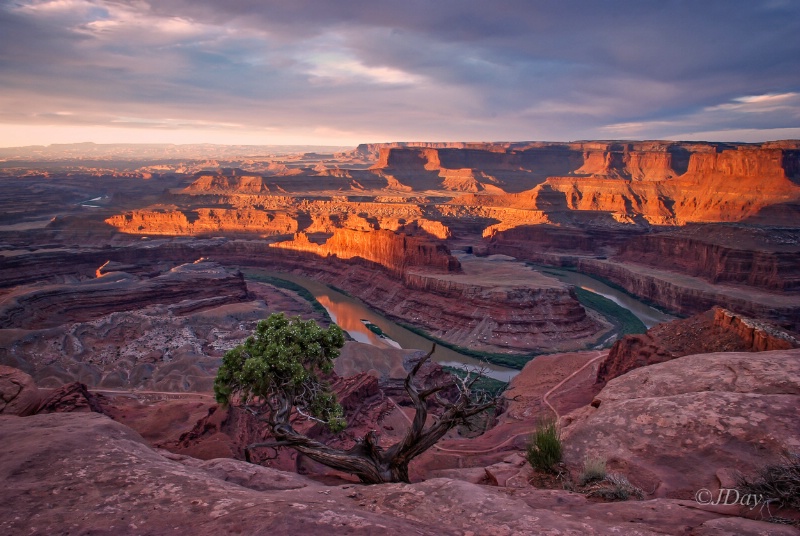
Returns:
point(672, 427)
point(84, 473)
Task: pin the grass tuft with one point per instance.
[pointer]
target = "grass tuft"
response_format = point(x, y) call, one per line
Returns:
point(778, 484)
point(616, 487)
point(545, 448)
point(594, 470)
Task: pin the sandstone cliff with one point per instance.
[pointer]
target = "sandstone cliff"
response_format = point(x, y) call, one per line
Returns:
point(246, 184)
point(665, 183)
point(691, 295)
point(753, 256)
point(394, 251)
point(491, 306)
point(481, 313)
point(204, 221)
point(717, 330)
point(688, 181)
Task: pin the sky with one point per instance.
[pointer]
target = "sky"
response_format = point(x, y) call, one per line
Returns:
point(350, 71)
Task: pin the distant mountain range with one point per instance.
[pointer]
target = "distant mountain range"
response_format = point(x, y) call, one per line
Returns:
point(136, 151)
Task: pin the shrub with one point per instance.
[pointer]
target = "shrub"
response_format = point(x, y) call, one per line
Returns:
point(594, 469)
point(778, 483)
point(616, 487)
point(544, 448)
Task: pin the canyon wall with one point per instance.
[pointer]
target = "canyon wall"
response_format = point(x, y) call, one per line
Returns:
point(471, 315)
point(535, 242)
point(688, 296)
point(717, 330)
point(42, 306)
point(757, 336)
point(247, 184)
point(666, 183)
point(393, 251)
point(640, 160)
point(403, 285)
point(757, 257)
point(204, 221)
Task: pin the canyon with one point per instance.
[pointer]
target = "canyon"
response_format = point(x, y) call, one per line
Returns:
point(124, 277)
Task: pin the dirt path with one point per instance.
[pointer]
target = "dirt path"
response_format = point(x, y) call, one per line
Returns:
point(135, 392)
point(600, 355)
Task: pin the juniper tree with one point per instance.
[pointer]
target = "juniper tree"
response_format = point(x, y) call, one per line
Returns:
point(278, 373)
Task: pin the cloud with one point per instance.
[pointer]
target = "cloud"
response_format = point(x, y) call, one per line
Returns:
point(761, 103)
point(747, 115)
point(367, 71)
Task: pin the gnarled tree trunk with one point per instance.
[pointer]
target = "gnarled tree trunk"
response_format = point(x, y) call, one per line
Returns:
point(371, 463)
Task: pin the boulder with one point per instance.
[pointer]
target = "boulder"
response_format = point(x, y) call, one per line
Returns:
point(71, 398)
point(18, 392)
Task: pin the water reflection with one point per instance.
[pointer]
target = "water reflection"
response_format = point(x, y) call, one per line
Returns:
point(350, 313)
point(349, 320)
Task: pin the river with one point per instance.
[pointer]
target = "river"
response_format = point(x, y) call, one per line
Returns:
point(349, 314)
point(649, 316)
point(353, 316)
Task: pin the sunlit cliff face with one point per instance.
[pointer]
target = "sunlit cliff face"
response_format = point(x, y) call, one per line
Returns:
point(439, 192)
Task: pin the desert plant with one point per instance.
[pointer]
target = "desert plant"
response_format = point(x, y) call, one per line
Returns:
point(278, 375)
point(778, 484)
point(594, 469)
point(616, 487)
point(544, 447)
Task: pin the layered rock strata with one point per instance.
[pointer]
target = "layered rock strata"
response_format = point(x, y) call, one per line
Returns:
point(51, 305)
point(717, 330)
point(401, 281)
point(752, 256)
point(395, 252)
point(691, 295)
point(205, 221)
point(163, 347)
point(492, 306)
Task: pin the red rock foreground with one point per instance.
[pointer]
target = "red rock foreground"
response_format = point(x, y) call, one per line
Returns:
point(692, 422)
point(81, 473)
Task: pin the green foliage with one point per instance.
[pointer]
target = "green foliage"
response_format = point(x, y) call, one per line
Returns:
point(280, 363)
point(594, 469)
point(544, 448)
point(340, 291)
point(374, 329)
